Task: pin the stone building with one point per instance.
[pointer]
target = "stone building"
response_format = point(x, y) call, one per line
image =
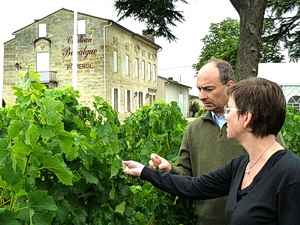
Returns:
point(170, 90)
point(113, 62)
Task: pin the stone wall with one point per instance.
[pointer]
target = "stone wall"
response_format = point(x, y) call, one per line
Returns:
point(10, 77)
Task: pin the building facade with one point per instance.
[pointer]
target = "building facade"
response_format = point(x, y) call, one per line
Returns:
point(287, 76)
point(170, 90)
point(113, 62)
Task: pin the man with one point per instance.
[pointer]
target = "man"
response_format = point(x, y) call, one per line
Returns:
point(204, 146)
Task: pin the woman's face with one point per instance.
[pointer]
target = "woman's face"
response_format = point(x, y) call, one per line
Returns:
point(234, 121)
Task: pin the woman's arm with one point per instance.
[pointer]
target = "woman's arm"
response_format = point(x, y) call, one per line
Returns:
point(212, 185)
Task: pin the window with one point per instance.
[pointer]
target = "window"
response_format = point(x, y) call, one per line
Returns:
point(115, 99)
point(154, 72)
point(143, 69)
point(151, 98)
point(42, 30)
point(42, 66)
point(115, 62)
point(180, 100)
point(81, 27)
point(134, 100)
point(128, 101)
point(149, 71)
point(295, 102)
point(141, 99)
point(136, 67)
point(18, 67)
point(126, 65)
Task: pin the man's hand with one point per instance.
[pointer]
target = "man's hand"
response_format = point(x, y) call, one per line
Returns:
point(159, 162)
point(132, 168)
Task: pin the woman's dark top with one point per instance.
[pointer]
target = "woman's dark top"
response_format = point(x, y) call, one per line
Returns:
point(273, 198)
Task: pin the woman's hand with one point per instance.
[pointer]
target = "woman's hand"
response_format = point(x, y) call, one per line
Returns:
point(132, 168)
point(158, 162)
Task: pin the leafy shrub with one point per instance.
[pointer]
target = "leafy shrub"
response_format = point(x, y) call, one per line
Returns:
point(194, 108)
point(60, 162)
point(157, 128)
point(291, 130)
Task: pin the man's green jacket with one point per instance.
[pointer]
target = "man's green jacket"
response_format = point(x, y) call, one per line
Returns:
point(205, 148)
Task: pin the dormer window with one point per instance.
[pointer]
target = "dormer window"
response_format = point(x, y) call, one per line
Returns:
point(81, 26)
point(42, 30)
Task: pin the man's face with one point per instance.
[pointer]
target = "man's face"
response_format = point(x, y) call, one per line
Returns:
point(212, 92)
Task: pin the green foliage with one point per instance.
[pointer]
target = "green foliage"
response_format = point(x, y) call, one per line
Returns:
point(222, 42)
point(283, 18)
point(201, 111)
point(158, 15)
point(291, 130)
point(271, 52)
point(157, 128)
point(60, 162)
point(194, 108)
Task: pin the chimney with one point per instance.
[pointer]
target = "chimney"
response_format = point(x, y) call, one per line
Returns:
point(147, 34)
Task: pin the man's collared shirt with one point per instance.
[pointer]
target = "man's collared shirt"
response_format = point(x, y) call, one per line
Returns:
point(219, 120)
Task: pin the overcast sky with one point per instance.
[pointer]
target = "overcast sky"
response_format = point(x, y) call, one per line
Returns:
point(175, 59)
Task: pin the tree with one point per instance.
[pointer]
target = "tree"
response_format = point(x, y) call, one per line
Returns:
point(222, 41)
point(157, 14)
point(283, 19)
point(251, 14)
point(160, 14)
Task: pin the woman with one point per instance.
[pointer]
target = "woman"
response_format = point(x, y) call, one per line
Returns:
point(263, 187)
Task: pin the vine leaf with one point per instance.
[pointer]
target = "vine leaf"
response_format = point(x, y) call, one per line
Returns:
point(120, 208)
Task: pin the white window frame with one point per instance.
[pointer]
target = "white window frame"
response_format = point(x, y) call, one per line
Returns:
point(128, 96)
point(154, 72)
point(136, 67)
point(149, 70)
point(143, 74)
point(132, 101)
point(81, 26)
point(123, 102)
point(42, 30)
point(135, 100)
point(115, 61)
point(151, 98)
point(113, 99)
point(126, 65)
point(142, 102)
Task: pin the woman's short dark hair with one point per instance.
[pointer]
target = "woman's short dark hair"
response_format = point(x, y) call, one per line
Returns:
point(265, 100)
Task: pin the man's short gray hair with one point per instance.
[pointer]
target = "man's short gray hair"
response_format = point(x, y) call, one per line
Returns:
point(225, 70)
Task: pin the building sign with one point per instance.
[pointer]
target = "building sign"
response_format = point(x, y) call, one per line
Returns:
point(83, 53)
point(86, 54)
